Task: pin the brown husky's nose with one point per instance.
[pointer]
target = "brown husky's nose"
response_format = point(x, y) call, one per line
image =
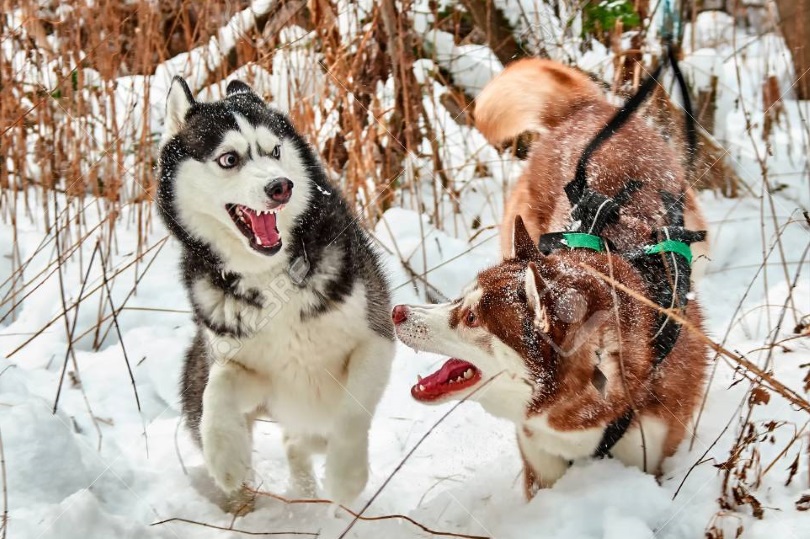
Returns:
point(399, 314)
point(279, 190)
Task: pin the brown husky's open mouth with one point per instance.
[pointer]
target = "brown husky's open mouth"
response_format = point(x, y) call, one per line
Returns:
point(455, 375)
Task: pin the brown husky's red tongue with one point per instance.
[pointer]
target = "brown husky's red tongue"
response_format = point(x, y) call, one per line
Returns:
point(263, 226)
point(455, 375)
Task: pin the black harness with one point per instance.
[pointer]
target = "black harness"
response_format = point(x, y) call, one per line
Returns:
point(664, 263)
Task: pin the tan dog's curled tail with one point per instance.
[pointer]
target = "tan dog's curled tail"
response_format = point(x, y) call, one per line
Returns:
point(531, 95)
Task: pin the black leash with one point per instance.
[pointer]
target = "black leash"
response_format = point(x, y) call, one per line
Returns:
point(577, 188)
point(689, 119)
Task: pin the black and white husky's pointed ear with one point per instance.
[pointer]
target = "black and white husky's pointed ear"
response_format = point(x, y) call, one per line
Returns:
point(238, 87)
point(178, 104)
point(533, 283)
point(523, 248)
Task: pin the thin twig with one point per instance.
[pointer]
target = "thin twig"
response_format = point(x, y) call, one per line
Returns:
point(5, 487)
point(363, 517)
point(702, 458)
point(227, 529)
point(69, 332)
point(123, 347)
point(132, 290)
point(89, 293)
point(790, 395)
point(72, 330)
point(66, 255)
point(715, 363)
point(411, 452)
point(177, 447)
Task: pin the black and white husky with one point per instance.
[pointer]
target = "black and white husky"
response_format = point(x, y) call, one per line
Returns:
point(291, 305)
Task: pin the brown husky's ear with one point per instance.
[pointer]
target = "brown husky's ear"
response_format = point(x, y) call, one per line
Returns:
point(523, 248)
point(533, 283)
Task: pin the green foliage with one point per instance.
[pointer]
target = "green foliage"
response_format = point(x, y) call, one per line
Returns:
point(601, 17)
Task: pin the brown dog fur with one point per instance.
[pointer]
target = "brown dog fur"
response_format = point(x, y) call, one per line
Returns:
point(564, 352)
point(670, 392)
point(566, 109)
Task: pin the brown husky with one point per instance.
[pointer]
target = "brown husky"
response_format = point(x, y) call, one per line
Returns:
point(570, 355)
point(565, 355)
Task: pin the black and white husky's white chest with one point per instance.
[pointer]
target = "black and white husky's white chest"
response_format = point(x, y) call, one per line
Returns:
point(262, 323)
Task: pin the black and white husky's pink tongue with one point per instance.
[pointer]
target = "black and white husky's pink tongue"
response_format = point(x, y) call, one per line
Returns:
point(263, 225)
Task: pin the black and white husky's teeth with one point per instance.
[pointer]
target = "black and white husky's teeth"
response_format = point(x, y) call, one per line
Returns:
point(240, 210)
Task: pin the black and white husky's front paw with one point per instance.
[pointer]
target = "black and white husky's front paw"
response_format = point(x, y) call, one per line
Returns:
point(226, 445)
point(346, 468)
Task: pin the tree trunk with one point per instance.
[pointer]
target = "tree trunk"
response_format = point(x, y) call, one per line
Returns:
point(496, 28)
point(794, 16)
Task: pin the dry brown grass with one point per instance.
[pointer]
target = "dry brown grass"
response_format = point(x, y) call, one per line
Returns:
point(68, 128)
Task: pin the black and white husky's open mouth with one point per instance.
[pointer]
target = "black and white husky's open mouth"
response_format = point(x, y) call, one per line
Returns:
point(258, 226)
point(455, 375)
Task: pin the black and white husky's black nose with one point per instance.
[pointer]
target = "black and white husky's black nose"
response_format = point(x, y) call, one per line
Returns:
point(279, 190)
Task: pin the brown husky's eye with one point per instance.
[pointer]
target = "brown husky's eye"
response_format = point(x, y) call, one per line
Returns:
point(470, 319)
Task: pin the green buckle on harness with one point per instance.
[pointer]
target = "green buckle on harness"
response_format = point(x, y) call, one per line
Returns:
point(671, 246)
point(579, 240)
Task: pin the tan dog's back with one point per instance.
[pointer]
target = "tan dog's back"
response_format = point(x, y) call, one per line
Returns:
point(567, 109)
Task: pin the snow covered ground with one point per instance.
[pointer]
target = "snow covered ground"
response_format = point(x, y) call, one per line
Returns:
point(464, 478)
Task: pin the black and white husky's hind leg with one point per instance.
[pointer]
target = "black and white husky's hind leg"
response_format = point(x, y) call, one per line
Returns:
point(195, 376)
point(347, 449)
point(299, 449)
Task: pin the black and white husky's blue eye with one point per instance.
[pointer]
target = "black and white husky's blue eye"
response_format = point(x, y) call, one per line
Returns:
point(228, 160)
point(276, 153)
